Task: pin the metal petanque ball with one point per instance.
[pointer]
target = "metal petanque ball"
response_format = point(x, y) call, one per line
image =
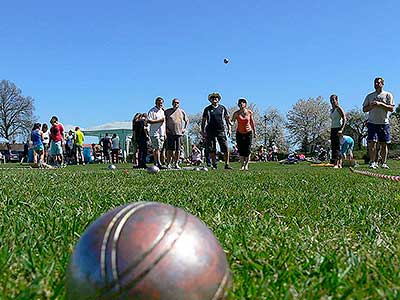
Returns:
point(205, 169)
point(112, 167)
point(153, 169)
point(148, 250)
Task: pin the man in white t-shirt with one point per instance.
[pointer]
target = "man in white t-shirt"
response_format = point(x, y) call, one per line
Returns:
point(378, 104)
point(156, 119)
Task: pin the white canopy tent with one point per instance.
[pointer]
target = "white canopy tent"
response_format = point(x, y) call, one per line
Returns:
point(122, 129)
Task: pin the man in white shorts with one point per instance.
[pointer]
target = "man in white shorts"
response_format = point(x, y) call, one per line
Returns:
point(156, 119)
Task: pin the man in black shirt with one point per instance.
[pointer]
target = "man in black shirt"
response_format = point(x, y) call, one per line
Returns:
point(214, 116)
point(105, 143)
point(141, 136)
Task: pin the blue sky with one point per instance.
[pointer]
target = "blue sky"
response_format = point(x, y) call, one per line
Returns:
point(93, 62)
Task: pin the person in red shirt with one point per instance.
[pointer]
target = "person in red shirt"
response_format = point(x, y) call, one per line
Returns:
point(245, 132)
point(56, 141)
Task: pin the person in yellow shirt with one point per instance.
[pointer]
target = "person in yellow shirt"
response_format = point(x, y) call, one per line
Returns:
point(78, 142)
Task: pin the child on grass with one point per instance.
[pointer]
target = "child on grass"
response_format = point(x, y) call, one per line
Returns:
point(346, 148)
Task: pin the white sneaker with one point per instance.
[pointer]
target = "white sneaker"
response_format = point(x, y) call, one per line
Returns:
point(373, 165)
point(177, 167)
point(385, 166)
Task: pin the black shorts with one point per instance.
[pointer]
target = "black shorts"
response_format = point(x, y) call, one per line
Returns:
point(243, 141)
point(173, 142)
point(211, 142)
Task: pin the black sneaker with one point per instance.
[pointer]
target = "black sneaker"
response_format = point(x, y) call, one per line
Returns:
point(215, 166)
point(228, 167)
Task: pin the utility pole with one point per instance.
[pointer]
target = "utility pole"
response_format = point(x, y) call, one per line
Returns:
point(265, 130)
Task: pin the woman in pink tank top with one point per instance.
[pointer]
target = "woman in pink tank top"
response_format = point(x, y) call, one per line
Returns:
point(245, 132)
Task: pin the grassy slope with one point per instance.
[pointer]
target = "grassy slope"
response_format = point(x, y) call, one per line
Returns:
point(290, 231)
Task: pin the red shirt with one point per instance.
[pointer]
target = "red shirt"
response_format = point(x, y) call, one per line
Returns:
point(244, 123)
point(57, 132)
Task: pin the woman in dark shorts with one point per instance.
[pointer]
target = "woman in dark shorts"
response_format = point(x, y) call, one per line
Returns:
point(245, 132)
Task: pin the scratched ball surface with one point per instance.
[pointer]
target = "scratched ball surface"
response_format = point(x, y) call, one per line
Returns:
point(148, 250)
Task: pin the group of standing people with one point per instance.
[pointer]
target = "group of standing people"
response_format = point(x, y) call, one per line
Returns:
point(165, 128)
point(110, 145)
point(215, 116)
point(378, 104)
point(213, 130)
point(48, 144)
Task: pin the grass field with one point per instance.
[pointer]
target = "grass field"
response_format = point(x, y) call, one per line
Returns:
point(289, 231)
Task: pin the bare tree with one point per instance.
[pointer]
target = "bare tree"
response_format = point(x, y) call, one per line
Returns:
point(257, 120)
point(195, 127)
point(195, 124)
point(356, 125)
point(16, 111)
point(308, 123)
point(396, 112)
point(274, 128)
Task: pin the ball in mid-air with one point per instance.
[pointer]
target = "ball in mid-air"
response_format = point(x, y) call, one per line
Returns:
point(153, 169)
point(112, 167)
point(226, 60)
point(148, 250)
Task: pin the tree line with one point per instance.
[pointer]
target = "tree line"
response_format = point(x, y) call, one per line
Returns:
point(304, 126)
